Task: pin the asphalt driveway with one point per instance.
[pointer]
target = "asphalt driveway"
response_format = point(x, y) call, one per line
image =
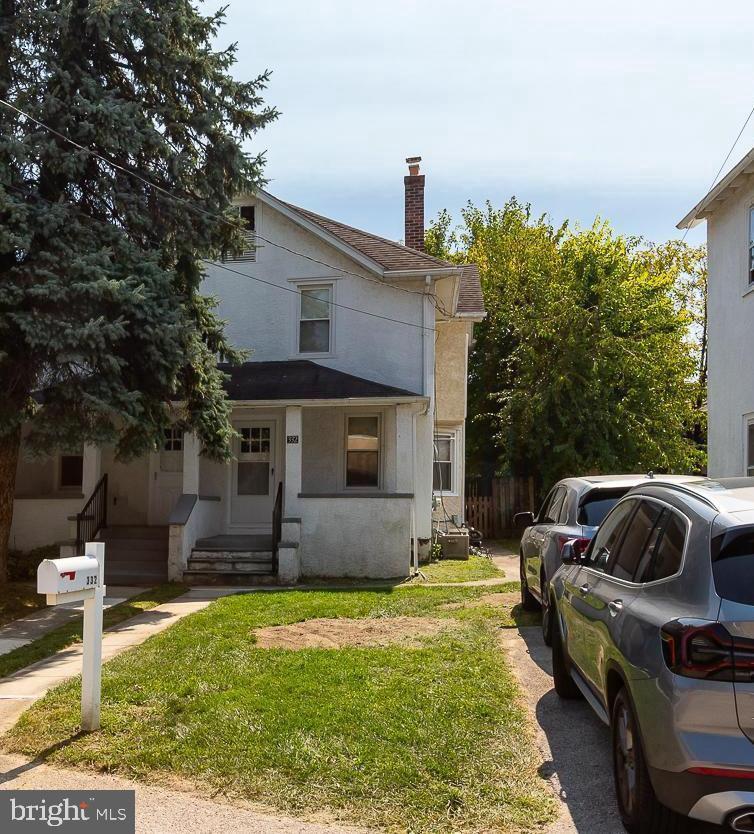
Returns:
point(575, 744)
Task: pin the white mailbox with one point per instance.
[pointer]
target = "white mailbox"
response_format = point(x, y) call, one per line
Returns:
point(72, 580)
point(68, 580)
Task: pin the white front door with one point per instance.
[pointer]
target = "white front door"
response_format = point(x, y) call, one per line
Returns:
point(253, 479)
point(166, 477)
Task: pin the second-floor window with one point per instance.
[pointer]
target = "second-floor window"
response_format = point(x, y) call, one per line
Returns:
point(247, 215)
point(751, 246)
point(315, 320)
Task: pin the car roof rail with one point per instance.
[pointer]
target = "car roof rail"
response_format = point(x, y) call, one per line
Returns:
point(685, 488)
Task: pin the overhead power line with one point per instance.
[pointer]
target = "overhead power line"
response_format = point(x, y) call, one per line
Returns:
point(218, 265)
point(213, 215)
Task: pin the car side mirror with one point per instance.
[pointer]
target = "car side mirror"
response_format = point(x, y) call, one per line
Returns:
point(523, 519)
point(568, 554)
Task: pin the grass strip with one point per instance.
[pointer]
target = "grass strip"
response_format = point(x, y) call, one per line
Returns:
point(71, 633)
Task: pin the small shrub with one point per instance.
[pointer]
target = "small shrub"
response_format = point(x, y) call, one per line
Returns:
point(22, 564)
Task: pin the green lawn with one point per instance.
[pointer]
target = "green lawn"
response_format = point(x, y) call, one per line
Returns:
point(17, 599)
point(455, 570)
point(70, 633)
point(425, 739)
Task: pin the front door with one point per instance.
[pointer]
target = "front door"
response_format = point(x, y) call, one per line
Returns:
point(253, 480)
point(165, 477)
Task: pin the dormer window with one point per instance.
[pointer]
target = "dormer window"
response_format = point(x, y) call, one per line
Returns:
point(247, 215)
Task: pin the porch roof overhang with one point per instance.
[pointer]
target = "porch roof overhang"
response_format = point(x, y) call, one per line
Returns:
point(301, 382)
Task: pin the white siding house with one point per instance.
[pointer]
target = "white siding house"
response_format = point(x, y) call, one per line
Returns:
point(350, 337)
point(729, 212)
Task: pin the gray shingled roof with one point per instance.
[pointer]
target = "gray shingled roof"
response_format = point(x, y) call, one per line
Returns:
point(470, 299)
point(395, 256)
point(300, 379)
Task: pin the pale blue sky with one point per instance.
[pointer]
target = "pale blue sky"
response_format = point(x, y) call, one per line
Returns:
point(585, 107)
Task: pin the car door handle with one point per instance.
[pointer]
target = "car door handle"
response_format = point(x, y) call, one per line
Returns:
point(584, 589)
point(615, 607)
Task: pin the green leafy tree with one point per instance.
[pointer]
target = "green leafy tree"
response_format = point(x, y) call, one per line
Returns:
point(586, 361)
point(104, 335)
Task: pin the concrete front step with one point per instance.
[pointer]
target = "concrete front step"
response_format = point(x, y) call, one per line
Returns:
point(229, 566)
point(198, 577)
point(128, 531)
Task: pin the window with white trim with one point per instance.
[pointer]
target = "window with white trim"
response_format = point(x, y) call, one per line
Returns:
point(444, 467)
point(247, 216)
point(315, 319)
point(750, 447)
point(751, 245)
point(363, 451)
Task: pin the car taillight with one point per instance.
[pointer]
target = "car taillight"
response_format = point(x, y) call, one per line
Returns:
point(579, 545)
point(702, 649)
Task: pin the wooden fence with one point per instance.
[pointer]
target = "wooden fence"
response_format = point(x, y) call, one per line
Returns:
point(492, 514)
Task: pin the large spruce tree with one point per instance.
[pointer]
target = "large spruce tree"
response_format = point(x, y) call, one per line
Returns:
point(104, 335)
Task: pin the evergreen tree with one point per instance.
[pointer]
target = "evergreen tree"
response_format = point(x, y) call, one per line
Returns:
point(104, 335)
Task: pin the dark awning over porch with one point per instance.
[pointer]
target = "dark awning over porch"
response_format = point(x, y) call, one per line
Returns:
point(301, 379)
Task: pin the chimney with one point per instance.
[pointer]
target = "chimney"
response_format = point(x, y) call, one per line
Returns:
point(414, 185)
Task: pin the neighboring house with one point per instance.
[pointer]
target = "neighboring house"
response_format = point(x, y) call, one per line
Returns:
point(729, 212)
point(337, 415)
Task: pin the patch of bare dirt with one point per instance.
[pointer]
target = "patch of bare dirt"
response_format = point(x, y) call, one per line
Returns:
point(338, 633)
point(495, 600)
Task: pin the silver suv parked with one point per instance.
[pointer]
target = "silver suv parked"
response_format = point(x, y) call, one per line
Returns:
point(654, 626)
point(573, 510)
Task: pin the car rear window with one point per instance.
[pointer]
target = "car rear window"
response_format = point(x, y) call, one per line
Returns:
point(733, 565)
point(595, 505)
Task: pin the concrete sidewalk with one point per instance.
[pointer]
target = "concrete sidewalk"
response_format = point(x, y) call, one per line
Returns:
point(25, 630)
point(19, 690)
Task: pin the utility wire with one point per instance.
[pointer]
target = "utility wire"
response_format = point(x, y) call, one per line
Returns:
point(218, 265)
point(720, 169)
point(205, 212)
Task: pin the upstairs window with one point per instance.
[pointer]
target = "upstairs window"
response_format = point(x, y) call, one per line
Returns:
point(247, 215)
point(315, 319)
point(751, 245)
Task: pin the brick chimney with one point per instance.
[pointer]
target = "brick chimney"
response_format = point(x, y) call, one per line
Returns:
point(414, 185)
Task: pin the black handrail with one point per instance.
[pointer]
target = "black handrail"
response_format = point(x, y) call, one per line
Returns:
point(93, 517)
point(277, 526)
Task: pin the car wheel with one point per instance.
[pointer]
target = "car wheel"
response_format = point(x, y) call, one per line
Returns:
point(546, 612)
point(565, 686)
point(640, 810)
point(528, 602)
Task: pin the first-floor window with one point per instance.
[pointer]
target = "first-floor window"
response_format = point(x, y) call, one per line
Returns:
point(71, 471)
point(750, 448)
point(444, 463)
point(363, 452)
point(751, 245)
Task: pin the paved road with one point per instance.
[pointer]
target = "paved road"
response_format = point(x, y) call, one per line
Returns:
point(575, 744)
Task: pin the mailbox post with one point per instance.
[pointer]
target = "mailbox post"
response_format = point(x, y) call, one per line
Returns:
point(72, 580)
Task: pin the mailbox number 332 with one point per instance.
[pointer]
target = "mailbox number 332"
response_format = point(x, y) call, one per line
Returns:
point(91, 580)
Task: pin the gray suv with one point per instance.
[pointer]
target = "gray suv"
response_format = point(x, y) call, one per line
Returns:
point(573, 510)
point(654, 626)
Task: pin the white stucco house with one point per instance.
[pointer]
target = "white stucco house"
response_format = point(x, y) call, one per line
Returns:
point(356, 381)
point(729, 212)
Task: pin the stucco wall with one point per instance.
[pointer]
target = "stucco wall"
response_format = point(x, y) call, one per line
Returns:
point(355, 537)
point(731, 324)
point(451, 357)
point(323, 447)
point(41, 521)
point(127, 488)
point(264, 319)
